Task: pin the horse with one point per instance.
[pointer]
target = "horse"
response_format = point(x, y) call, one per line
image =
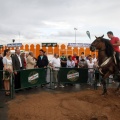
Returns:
point(106, 60)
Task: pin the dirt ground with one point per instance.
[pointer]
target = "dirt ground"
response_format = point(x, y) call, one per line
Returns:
point(83, 105)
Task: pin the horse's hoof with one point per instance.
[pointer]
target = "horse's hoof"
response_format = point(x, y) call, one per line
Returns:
point(117, 90)
point(104, 93)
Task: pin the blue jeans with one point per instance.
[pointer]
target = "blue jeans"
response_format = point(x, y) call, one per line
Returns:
point(90, 77)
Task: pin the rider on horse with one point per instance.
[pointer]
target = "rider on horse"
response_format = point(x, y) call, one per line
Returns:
point(116, 43)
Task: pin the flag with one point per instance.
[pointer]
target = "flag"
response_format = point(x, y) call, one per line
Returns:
point(88, 33)
point(75, 28)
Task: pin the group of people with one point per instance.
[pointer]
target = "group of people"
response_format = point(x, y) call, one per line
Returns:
point(19, 61)
point(73, 62)
point(13, 64)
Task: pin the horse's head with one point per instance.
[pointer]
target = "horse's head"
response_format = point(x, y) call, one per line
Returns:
point(97, 44)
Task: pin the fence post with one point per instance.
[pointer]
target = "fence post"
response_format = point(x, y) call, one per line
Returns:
point(50, 78)
point(11, 86)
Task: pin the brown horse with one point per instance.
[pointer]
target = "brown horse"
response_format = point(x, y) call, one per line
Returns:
point(106, 61)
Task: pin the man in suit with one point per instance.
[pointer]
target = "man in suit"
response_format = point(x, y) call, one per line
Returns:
point(18, 64)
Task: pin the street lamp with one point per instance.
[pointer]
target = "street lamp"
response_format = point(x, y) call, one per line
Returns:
point(75, 34)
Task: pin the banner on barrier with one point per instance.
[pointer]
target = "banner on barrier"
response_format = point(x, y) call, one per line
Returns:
point(32, 77)
point(75, 75)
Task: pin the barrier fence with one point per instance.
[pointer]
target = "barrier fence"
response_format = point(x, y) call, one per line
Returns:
point(73, 75)
point(32, 77)
point(2, 83)
point(36, 77)
point(1, 77)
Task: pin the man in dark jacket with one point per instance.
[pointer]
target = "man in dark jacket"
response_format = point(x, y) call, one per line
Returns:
point(63, 60)
point(18, 64)
point(42, 62)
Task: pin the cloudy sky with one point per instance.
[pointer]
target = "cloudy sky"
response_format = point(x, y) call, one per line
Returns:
point(36, 21)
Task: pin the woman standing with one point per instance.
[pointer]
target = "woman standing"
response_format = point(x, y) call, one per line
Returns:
point(70, 62)
point(8, 69)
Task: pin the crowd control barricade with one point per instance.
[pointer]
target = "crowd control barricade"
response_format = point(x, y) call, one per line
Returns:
point(32, 77)
point(2, 87)
point(1, 80)
point(78, 75)
point(73, 75)
point(2, 83)
point(49, 76)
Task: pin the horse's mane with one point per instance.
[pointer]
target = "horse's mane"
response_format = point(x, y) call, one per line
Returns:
point(109, 48)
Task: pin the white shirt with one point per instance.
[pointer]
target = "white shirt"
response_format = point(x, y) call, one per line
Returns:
point(94, 60)
point(19, 60)
point(70, 64)
point(89, 61)
point(90, 65)
point(7, 61)
point(56, 63)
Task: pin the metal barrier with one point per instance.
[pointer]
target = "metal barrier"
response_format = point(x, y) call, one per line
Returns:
point(2, 83)
point(37, 77)
point(1, 79)
point(73, 75)
point(2, 86)
point(32, 77)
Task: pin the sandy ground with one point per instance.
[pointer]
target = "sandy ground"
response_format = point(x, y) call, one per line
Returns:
point(83, 105)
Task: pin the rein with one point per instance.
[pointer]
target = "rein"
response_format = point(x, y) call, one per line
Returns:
point(103, 64)
point(106, 61)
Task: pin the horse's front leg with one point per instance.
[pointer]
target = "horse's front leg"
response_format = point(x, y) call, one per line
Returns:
point(118, 87)
point(104, 87)
point(104, 83)
point(119, 83)
point(118, 79)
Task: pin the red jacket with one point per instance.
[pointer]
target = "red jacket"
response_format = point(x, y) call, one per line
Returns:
point(75, 59)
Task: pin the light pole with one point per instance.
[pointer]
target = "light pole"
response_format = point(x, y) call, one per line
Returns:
point(75, 34)
point(19, 36)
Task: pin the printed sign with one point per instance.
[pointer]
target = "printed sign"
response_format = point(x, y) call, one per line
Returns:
point(49, 44)
point(87, 45)
point(73, 75)
point(1, 46)
point(14, 45)
point(33, 76)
